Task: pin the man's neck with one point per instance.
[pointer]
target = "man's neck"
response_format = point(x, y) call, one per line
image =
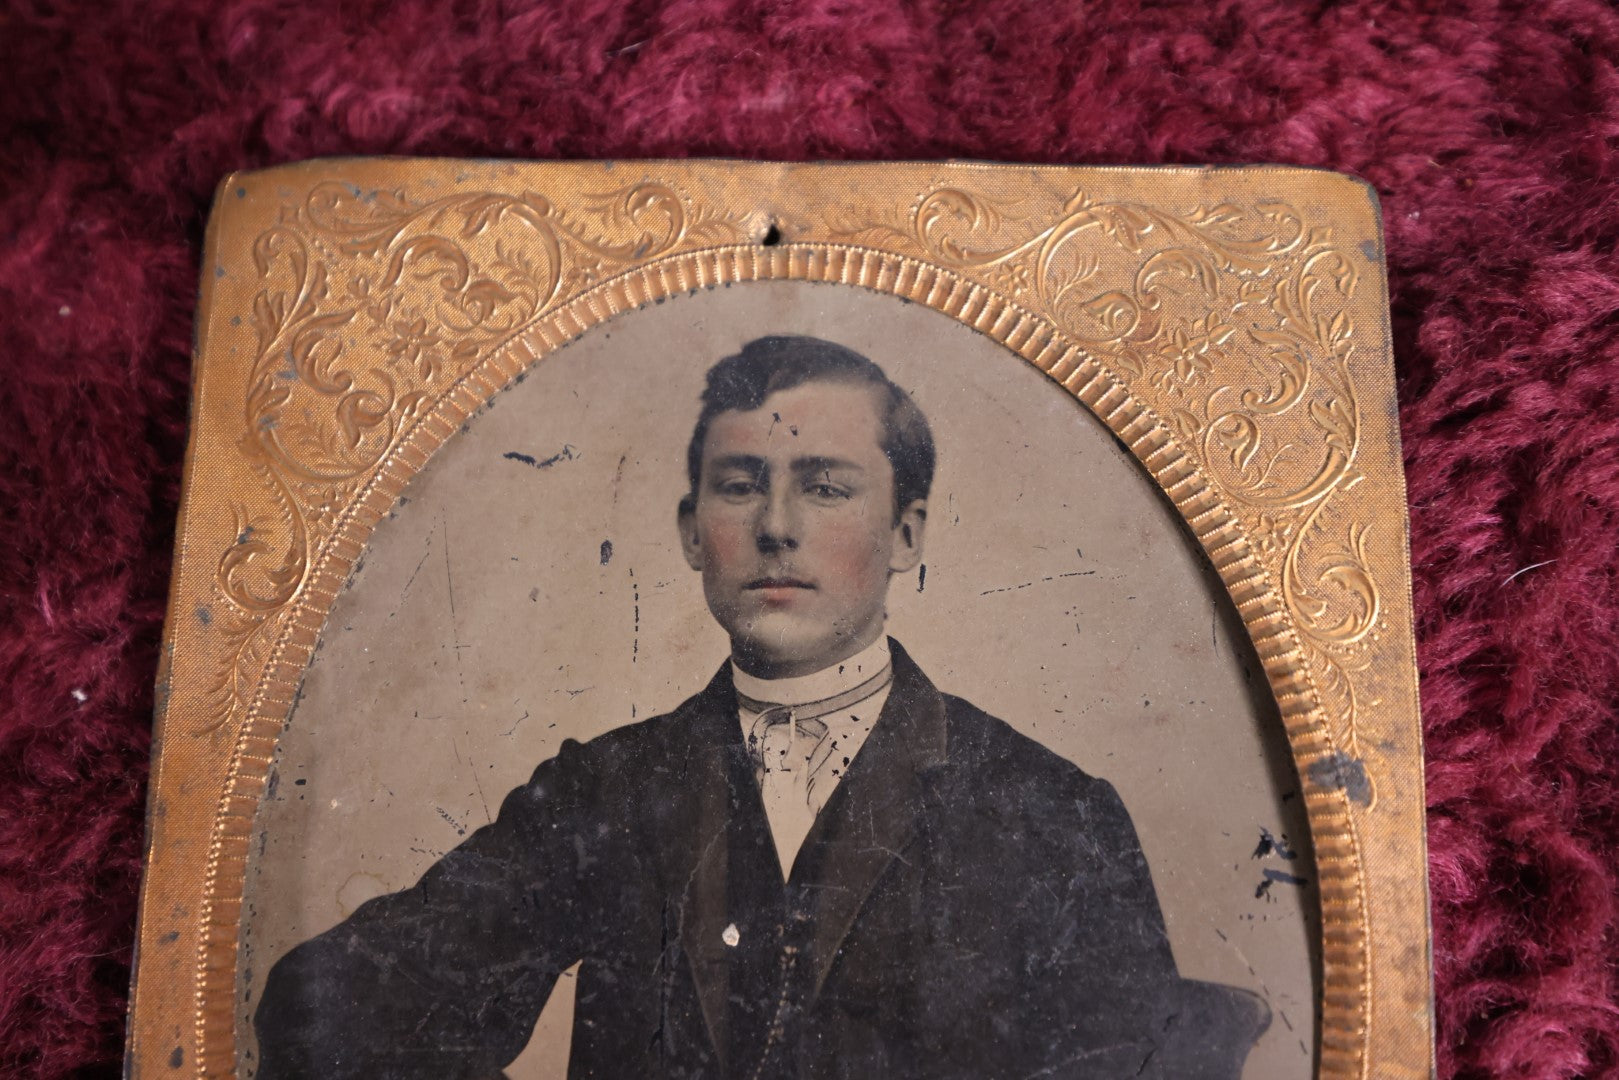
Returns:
point(816, 686)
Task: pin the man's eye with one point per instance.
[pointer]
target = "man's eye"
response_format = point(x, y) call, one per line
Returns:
point(826, 490)
point(739, 488)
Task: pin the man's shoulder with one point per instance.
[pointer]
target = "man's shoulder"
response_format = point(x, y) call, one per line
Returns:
point(655, 739)
point(642, 763)
point(1048, 813)
point(997, 761)
point(987, 741)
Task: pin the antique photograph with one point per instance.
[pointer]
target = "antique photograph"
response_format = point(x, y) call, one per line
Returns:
point(781, 680)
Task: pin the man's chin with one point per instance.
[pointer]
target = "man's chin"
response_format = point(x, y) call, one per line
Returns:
point(783, 654)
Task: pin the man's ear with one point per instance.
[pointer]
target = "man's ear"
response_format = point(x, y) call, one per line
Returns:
point(908, 528)
point(690, 542)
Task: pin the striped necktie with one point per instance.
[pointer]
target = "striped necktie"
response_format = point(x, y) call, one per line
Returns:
point(788, 742)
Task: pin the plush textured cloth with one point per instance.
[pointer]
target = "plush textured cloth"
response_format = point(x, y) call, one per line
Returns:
point(1491, 131)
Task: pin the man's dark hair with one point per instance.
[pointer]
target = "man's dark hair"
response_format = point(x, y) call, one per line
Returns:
point(768, 364)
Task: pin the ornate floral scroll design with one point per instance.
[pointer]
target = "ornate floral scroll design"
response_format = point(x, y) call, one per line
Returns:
point(1233, 324)
point(370, 307)
point(383, 321)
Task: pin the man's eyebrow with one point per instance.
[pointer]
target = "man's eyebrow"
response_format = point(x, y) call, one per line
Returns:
point(811, 466)
point(745, 462)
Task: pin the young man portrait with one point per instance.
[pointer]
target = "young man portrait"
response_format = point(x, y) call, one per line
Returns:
point(820, 866)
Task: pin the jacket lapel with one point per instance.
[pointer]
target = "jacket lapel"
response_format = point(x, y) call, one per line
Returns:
point(730, 882)
point(704, 905)
point(872, 815)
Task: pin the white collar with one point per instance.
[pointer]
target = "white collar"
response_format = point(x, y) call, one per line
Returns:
point(818, 685)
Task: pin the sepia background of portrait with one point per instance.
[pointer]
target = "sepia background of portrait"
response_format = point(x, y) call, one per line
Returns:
point(529, 588)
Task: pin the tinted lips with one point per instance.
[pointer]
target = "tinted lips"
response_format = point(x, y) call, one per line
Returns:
point(778, 583)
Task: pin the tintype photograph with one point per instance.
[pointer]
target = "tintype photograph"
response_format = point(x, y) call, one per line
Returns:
point(781, 680)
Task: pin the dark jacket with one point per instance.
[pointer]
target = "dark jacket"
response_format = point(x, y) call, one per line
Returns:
point(968, 904)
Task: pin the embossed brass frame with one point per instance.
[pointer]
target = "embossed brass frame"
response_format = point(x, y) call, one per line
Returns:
point(1228, 325)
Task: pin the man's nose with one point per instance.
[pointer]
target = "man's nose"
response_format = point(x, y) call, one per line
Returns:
point(777, 525)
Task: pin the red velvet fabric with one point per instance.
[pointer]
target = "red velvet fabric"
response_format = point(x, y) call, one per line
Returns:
point(1490, 127)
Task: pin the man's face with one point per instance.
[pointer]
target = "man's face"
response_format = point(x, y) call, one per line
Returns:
point(794, 527)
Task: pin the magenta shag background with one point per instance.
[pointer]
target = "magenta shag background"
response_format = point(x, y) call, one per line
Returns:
point(1490, 129)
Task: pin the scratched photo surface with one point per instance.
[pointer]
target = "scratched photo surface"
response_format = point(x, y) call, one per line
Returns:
point(530, 588)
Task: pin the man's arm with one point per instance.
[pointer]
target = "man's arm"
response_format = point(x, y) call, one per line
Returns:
point(447, 978)
point(1146, 1021)
point(1109, 962)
